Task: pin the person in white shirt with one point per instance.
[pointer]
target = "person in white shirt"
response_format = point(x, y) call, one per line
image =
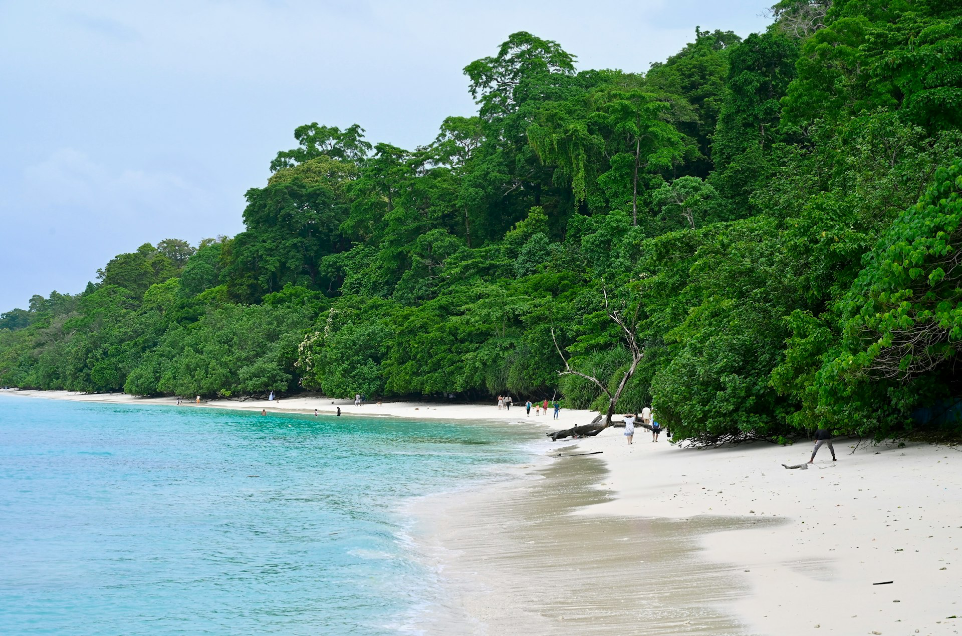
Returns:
point(630, 427)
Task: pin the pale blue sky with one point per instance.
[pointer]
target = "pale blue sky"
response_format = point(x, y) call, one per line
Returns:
point(129, 122)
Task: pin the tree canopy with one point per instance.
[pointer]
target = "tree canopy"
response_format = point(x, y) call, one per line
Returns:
point(779, 217)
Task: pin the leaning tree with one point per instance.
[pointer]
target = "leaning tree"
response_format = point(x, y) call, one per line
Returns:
point(627, 322)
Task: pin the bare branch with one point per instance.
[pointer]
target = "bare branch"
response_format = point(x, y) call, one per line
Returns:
point(629, 334)
point(569, 371)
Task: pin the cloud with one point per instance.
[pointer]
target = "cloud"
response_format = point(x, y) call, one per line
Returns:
point(69, 180)
point(69, 214)
point(103, 26)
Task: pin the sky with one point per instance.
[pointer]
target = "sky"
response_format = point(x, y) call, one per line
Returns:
point(124, 123)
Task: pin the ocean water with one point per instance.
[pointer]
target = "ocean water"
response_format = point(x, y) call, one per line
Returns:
point(176, 520)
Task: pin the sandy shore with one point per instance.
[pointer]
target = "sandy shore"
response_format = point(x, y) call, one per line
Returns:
point(656, 539)
point(518, 558)
point(328, 406)
point(884, 513)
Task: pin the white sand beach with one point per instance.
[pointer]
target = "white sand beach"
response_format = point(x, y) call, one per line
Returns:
point(328, 406)
point(654, 538)
point(882, 514)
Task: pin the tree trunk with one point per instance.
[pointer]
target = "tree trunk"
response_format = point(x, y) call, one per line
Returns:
point(599, 424)
point(585, 430)
point(613, 400)
point(467, 228)
point(634, 192)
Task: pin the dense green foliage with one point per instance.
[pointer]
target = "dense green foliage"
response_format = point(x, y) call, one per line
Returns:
point(780, 216)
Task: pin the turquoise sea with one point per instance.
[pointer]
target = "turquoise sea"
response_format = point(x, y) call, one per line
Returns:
point(178, 520)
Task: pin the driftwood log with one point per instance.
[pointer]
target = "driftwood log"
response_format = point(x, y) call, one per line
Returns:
point(585, 430)
point(590, 430)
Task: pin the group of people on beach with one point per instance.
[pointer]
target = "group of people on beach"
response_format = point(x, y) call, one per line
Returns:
point(647, 418)
point(506, 402)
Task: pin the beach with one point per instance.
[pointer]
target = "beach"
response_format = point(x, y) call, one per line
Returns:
point(824, 536)
point(656, 539)
point(329, 406)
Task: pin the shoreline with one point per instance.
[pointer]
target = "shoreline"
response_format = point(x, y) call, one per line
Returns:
point(328, 406)
point(517, 557)
point(777, 551)
point(752, 548)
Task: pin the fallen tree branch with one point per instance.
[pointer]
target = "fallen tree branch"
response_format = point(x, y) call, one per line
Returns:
point(585, 430)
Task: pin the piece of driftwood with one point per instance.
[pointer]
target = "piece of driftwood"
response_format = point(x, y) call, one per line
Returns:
point(580, 454)
point(799, 466)
point(585, 430)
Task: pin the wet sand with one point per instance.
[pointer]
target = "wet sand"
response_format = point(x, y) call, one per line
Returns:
point(514, 558)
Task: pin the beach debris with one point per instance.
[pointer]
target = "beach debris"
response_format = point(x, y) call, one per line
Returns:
point(586, 430)
point(883, 583)
point(580, 454)
point(798, 466)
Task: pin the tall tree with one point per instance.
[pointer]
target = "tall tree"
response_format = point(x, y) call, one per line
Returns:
point(639, 137)
point(329, 141)
point(501, 83)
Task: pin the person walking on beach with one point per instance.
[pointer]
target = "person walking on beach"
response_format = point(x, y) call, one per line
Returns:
point(500, 402)
point(270, 398)
point(315, 412)
point(339, 411)
point(527, 408)
point(823, 436)
point(557, 407)
point(655, 430)
point(544, 406)
point(357, 399)
point(508, 402)
point(646, 416)
point(630, 427)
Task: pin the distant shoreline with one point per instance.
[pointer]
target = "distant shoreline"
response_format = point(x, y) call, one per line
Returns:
point(329, 406)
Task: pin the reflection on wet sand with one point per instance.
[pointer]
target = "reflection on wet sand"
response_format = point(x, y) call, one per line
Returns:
point(512, 559)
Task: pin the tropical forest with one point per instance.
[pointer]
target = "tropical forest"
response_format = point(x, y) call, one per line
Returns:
point(758, 237)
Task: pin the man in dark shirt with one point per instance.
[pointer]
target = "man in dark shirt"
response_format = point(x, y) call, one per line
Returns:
point(823, 436)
